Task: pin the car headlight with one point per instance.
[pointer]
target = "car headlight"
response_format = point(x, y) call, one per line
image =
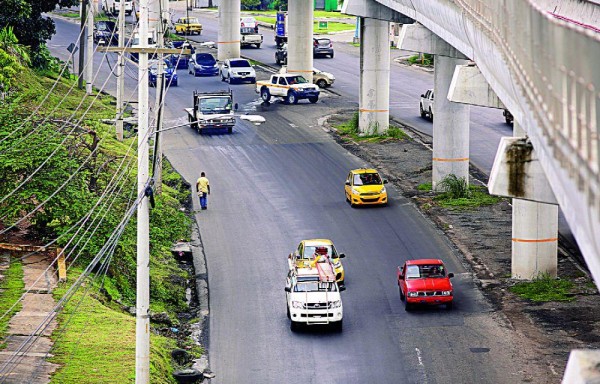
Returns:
point(446, 293)
point(336, 304)
point(382, 190)
point(413, 294)
point(337, 265)
point(297, 304)
point(355, 191)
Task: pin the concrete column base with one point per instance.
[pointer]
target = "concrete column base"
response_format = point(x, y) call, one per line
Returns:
point(228, 42)
point(450, 126)
point(374, 101)
point(582, 367)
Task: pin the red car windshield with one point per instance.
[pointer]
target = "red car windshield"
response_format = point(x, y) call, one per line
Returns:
point(425, 271)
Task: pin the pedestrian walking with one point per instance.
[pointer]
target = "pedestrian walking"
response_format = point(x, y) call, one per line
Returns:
point(203, 188)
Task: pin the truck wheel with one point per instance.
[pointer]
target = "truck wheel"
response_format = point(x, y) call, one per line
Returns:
point(421, 110)
point(313, 99)
point(322, 83)
point(292, 98)
point(449, 305)
point(222, 77)
point(277, 61)
point(338, 326)
point(294, 326)
point(229, 129)
point(430, 114)
point(193, 125)
point(289, 316)
point(265, 95)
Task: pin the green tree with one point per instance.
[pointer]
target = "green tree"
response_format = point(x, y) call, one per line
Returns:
point(10, 44)
point(250, 4)
point(31, 28)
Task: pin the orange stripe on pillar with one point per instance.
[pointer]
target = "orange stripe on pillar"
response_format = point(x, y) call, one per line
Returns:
point(373, 110)
point(450, 160)
point(228, 42)
point(550, 240)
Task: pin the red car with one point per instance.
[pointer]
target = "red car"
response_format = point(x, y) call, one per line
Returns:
point(425, 281)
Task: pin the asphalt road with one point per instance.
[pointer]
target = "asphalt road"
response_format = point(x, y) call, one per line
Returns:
point(282, 181)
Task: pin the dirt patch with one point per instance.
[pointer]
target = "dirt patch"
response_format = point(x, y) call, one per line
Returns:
point(483, 236)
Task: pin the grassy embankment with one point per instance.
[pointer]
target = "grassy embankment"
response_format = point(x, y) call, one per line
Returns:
point(348, 130)
point(332, 26)
point(11, 288)
point(94, 342)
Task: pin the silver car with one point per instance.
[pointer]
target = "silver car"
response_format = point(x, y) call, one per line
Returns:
point(238, 70)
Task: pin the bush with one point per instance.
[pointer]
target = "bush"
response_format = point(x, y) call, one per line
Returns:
point(455, 187)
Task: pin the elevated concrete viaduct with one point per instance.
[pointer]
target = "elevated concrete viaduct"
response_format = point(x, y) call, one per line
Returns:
point(540, 58)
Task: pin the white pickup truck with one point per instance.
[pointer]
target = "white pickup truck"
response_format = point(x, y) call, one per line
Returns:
point(289, 86)
point(249, 37)
point(313, 297)
point(114, 6)
point(426, 104)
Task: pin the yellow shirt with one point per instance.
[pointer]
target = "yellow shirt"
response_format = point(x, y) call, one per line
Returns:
point(202, 185)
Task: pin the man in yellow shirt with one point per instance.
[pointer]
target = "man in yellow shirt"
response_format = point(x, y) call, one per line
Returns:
point(203, 188)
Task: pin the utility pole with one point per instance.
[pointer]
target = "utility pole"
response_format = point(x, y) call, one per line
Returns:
point(121, 73)
point(142, 306)
point(82, 38)
point(89, 69)
point(160, 91)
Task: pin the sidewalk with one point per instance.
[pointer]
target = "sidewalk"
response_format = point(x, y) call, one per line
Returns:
point(30, 365)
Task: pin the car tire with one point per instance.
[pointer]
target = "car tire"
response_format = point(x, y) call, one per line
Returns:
point(229, 129)
point(265, 94)
point(194, 126)
point(338, 326)
point(430, 114)
point(222, 77)
point(292, 98)
point(277, 61)
point(174, 84)
point(449, 305)
point(407, 306)
point(289, 316)
point(294, 326)
point(313, 99)
point(322, 83)
point(258, 46)
point(402, 297)
point(228, 79)
point(421, 110)
point(332, 55)
point(253, 80)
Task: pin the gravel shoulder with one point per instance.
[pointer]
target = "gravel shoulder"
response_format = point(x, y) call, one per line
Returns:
point(546, 331)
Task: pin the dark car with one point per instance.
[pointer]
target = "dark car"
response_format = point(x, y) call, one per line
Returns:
point(203, 64)
point(180, 61)
point(105, 32)
point(171, 77)
point(322, 46)
point(281, 54)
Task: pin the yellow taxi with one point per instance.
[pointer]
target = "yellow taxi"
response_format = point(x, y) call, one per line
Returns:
point(364, 186)
point(188, 26)
point(317, 250)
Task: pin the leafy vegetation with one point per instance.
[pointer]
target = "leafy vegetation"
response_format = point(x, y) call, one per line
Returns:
point(350, 129)
point(423, 59)
point(46, 191)
point(478, 196)
point(545, 288)
point(455, 187)
point(424, 187)
point(11, 289)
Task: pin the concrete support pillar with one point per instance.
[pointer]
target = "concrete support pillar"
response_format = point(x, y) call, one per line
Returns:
point(374, 97)
point(534, 233)
point(300, 38)
point(228, 43)
point(450, 126)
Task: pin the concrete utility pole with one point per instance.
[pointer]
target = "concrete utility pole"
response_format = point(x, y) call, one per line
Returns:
point(142, 306)
point(228, 42)
point(82, 38)
point(89, 69)
point(120, 73)
point(159, 8)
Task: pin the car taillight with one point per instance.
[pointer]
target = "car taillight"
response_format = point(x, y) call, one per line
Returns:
point(315, 43)
point(330, 45)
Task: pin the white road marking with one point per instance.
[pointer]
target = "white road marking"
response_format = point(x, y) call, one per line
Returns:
point(421, 366)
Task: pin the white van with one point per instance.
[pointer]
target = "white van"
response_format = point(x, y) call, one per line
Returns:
point(113, 6)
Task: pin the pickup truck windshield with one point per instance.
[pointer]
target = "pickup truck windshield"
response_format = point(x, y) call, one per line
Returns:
point(211, 105)
point(425, 271)
point(296, 80)
point(315, 286)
